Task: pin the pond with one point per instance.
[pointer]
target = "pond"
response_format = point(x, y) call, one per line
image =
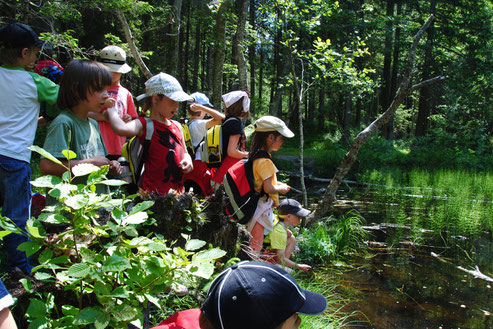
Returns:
point(410, 278)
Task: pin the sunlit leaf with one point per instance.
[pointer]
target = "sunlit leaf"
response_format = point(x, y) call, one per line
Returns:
point(194, 244)
point(83, 169)
point(116, 263)
point(210, 254)
point(69, 155)
point(78, 270)
point(137, 218)
point(44, 153)
point(29, 247)
point(141, 206)
point(46, 181)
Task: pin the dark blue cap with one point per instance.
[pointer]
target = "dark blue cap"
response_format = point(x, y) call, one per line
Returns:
point(257, 295)
point(18, 35)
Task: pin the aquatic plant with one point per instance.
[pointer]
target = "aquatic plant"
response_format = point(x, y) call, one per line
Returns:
point(332, 238)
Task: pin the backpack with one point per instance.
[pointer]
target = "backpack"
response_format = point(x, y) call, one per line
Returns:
point(136, 154)
point(212, 146)
point(239, 188)
point(188, 139)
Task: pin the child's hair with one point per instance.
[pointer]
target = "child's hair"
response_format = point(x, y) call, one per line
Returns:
point(9, 56)
point(259, 141)
point(236, 110)
point(79, 78)
point(147, 103)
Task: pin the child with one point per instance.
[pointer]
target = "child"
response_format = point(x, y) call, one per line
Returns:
point(114, 58)
point(281, 241)
point(237, 107)
point(21, 92)
point(268, 137)
point(250, 295)
point(167, 159)
point(82, 90)
point(200, 177)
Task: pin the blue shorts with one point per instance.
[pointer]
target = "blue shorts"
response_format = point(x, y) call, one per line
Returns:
point(15, 193)
point(5, 298)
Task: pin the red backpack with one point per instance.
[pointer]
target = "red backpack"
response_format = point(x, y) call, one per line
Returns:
point(239, 187)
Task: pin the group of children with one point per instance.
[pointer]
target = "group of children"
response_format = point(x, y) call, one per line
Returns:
point(97, 116)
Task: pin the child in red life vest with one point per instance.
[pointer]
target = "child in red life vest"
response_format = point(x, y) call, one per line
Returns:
point(167, 159)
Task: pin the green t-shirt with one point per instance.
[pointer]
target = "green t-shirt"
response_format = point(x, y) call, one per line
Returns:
point(85, 139)
point(278, 237)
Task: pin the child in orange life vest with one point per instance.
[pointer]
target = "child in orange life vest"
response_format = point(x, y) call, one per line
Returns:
point(167, 158)
point(200, 178)
point(237, 107)
point(269, 136)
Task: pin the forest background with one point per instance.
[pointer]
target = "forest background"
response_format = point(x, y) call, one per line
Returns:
point(340, 63)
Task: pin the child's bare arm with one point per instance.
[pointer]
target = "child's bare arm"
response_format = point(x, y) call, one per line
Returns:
point(282, 259)
point(186, 164)
point(128, 129)
point(96, 116)
point(280, 187)
point(217, 117)
point(233, 148)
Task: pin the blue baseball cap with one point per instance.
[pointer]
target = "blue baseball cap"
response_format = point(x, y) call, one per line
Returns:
point(257, 295)
point(18, 35)
point(200, 98)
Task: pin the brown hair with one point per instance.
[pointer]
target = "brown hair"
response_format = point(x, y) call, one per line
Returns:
point(79, 78)
point(9, 56)
point(147, 102)
point(259, 141)
point(236, 110)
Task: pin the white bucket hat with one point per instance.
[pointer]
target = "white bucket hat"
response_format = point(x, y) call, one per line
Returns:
point(167, 85)
point(271, 123)
point(232, 97)
point(114, 58)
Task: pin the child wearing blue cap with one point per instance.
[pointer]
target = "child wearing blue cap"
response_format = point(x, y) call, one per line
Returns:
point(250, 295)
point(200, 178)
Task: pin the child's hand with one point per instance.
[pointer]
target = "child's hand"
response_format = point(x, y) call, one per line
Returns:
point(109, 103)
point(100, 161)
point(115, 168)
point(304, 267)
point(283, 188)
point(186, 166)
point(195, 107)
point(126, 118)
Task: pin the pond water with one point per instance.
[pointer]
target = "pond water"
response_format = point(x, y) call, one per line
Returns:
point(406, 282)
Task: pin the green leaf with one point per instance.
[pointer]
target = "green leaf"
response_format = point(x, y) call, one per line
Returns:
point(39, 323)
point(137, 218)
point(45, 256)
point(153, 300)
point(77, 201)
point(87, 316)
point(124, 313)
point(113, 182)
point(4, 233)
point(44, 153)
point(70, 310)
point(194, 244)
point(78, 270)
point(42, 276)
point(36, 309)
point(53, 218)
point(69, 155)
point(116, 263)
point(46, 181)
point(27, 284)
point(34, 231)
point(141, 206)
point(119, 292)
point(102, 321)
point(155, 246)
point(29, 247)
point(201, 269)
point(210, 254)
point(83, 169)
point(62, 190)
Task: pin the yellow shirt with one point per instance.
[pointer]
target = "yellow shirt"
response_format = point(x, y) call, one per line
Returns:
point(262, 169)
point(277, 239)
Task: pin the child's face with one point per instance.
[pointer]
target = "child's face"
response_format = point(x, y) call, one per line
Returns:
point(292, 220)
point(293, 322)
point(115, 77)
point(277, 143)
point(166, 107)
point(29, 58)
point(95, 100)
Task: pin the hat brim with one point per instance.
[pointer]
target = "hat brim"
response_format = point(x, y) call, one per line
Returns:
point(303, 212)
point(140, 97)
point(117, 68)
point(315, 303)
point(179, 96)
point(286, 132)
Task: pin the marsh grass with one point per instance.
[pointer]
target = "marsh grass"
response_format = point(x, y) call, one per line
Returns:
point(454, 202)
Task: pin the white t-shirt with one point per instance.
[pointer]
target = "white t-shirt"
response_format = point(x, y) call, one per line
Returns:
point(198, 130)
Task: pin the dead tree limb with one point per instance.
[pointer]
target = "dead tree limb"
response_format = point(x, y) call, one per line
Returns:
point(131, 43)
point(330, 194)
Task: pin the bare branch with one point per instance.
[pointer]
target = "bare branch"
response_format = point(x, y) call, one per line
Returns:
point(424, 84)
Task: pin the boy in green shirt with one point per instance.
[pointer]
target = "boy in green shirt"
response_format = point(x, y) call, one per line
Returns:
point(280, 242)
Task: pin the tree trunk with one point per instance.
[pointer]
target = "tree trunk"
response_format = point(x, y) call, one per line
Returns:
point(346, 123)
point(195, 70)
point(395, 70)
point(238, 45)
point(387, 62)
point(174, 56)
point(330, 194)
point(261, 75)
point(251, 50)
point(321, 108)
point(131, 43)
point(220, 36)
point(424, 97)
point(186, 50)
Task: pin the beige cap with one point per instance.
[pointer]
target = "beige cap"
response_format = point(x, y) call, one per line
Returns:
point(271, 123)
point(114, 58)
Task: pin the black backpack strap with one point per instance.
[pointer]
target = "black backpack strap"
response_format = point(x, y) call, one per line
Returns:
point(145, 148)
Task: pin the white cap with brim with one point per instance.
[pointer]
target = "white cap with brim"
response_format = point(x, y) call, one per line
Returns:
point(271, 123)
point(114, 58)
point(167, 85)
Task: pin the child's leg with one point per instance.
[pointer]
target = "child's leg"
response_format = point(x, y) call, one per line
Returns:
point(290, 243)
point(257, 237)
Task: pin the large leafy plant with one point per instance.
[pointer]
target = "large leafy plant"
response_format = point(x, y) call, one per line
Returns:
point(109, 270)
